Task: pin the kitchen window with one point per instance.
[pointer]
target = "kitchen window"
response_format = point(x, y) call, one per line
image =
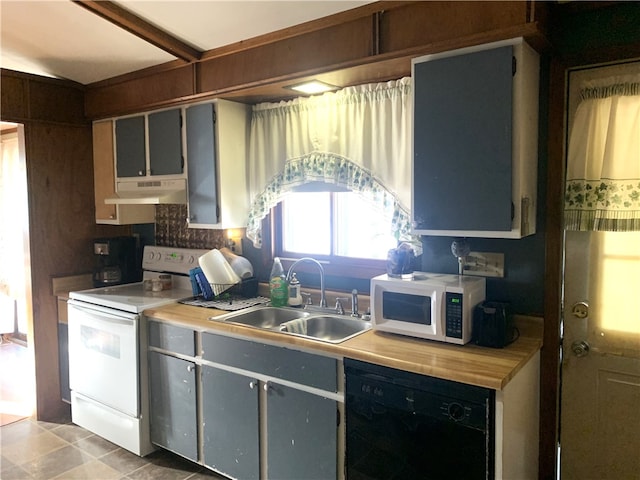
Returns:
point(338, 225)
point(356, 139)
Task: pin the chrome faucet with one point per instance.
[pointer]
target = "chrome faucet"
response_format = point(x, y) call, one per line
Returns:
point(323, 299)
point(354, 303)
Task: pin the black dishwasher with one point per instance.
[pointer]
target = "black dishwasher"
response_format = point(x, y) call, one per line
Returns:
point(404, 426)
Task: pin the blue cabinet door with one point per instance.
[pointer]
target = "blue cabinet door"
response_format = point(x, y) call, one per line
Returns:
point(201, 157)
point(165, 142)
point(462, 163)
point(173, 417)
point(130, 147)
point(231, 436)
point(301, 434)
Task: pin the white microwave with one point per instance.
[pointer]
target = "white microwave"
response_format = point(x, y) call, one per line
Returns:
point(430, 305)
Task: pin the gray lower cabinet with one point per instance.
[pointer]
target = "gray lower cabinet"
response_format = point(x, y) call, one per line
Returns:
point(245, 409)
point(231, 434)
point(301, 434)
point(281, 422)
point(174, 423)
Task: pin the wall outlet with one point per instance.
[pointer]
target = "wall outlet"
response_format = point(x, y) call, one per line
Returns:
point(235, 245)
point(484, 264)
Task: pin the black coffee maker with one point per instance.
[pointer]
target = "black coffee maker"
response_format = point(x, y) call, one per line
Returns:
point(117, 261)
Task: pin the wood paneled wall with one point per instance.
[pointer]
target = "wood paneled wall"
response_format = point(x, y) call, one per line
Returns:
point(372, 43)
point(61, 212)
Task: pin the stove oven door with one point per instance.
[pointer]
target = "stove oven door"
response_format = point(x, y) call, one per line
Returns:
point(103, 356)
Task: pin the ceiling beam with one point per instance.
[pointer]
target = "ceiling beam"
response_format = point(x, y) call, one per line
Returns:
point(141, 28)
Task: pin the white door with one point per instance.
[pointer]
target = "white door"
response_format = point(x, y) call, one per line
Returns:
point(600, 396)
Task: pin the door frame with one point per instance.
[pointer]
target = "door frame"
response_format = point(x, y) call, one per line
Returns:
point(550, 360)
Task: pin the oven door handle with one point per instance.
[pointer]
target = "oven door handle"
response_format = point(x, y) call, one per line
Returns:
point(96, 310)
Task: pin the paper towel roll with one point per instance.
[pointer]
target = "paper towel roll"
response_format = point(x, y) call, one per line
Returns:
point(240, 265)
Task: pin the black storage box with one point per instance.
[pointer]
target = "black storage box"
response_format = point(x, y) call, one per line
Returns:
point(493, 325)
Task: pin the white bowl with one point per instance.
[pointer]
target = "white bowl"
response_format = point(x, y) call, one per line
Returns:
point(218, 271)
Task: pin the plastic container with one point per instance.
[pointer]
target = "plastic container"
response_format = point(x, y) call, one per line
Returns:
point(295, 297)
point(166, 281)
point(278, 287)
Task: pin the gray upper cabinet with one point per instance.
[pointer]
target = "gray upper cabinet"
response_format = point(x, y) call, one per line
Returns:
point(475, 141)
point(217, 136)
point(201, 179)
point(131, 156)
point(162, 132)
point(165, 142)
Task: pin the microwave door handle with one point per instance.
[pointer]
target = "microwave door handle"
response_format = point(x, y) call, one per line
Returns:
point(438, 300)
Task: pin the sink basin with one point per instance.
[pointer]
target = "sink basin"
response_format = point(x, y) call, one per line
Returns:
point(290, 321)
point(327, 328)
point(265, 317)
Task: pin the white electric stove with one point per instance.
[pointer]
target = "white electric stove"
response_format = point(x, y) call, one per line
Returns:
point(108, 349)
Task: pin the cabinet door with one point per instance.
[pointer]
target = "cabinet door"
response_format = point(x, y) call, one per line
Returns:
point(174, 424)
point(301, 434)
point(231, 424)
point(463, 142)
point(165, 142)
point(104, 183)
point(130, 147)
point(201, 156)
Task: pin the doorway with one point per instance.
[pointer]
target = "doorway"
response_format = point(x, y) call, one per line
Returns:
point(600, 394)
point(17, 374)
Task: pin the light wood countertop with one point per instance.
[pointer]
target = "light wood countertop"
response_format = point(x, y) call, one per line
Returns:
point(482, 366)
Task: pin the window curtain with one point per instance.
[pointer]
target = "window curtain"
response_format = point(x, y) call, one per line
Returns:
point(603, 164)
point(356, 138)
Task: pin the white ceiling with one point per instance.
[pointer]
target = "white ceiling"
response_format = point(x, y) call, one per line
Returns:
point(58, 38)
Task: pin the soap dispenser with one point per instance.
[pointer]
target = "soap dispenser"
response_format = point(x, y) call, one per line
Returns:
point(278, 285)
point(295, 297)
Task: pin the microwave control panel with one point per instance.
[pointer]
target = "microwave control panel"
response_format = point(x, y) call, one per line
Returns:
point(454, 313)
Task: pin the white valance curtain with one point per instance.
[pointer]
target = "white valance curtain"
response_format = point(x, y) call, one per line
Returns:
point(603, 164)
point(357, 138)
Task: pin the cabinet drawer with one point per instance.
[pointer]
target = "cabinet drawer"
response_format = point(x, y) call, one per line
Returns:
point(172, 338)
point(278, 362)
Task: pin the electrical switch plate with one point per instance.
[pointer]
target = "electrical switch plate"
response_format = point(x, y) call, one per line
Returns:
point(484, 264)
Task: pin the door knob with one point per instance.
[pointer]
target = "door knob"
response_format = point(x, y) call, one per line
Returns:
point(580, 348)
point(580, 309)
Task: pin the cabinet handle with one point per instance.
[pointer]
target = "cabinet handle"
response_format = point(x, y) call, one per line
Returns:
point(140, 173)
point(266, 387)
point(190, 368)
point(252, 385)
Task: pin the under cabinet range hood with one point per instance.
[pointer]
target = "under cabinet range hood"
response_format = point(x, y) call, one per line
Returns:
point(149, 192)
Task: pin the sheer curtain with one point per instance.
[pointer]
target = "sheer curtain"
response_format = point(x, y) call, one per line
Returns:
point(603, 163)
point(357, 138)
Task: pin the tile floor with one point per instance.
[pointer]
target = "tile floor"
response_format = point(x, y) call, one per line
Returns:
point(31, 449)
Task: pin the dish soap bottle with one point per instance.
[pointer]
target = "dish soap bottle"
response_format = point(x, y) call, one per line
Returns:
point(278, 285)
point(295, 298)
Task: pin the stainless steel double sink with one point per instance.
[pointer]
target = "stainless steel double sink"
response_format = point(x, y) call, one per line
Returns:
point(326, 327)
